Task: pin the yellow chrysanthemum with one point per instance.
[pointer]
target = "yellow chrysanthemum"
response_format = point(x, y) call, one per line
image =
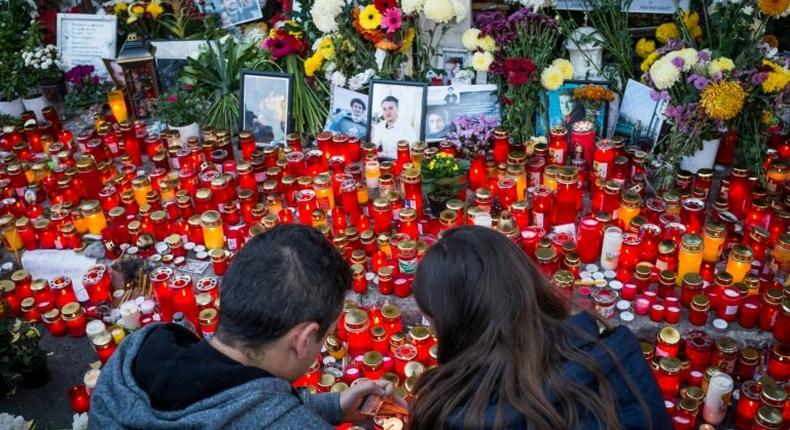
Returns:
point(326, 48)
point(690, 19)
point(370, 18)
point(120, 7)
point(408, 40)
point(721, 64)
point(777, 79)
point(486, 43)
point(773, 8)
point(313, 64)
point(667, 31)
point(469, 39)
point(722, 100)
point(135, 11)
point(551, 78)
point(771, 40)
point(645, 47)
point(565, 67)
point(645, 66)
point(155, 9)
point(481, 61)
point(695, 32)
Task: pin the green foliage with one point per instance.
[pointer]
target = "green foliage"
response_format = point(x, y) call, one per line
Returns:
point(181, 107)
point(443, 174)
point(19, 347)
point(14, 27)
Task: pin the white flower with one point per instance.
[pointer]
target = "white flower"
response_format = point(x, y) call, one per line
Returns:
point(411, 6)
point(460, 10)
point(747, 10)
point(330, 66)
point(324, 14)
point(469, 39)
point(11, 422)
point(80, 421)
point(338, 79)
point(360, 79)
point(690, 58)
point(536, 5)
point(439, 11)
point(481, 61)
point(664, 74)
point(463, 77)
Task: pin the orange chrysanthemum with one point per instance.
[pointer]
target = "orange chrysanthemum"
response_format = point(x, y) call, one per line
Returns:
point(372, 36)
point(593, 93)
point(773, 8)
point(771, 40)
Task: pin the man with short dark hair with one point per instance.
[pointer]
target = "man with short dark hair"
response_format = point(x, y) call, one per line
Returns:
point(392, 129)
point(280, 298)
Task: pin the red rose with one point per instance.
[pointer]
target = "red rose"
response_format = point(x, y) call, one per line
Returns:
point(383, 5)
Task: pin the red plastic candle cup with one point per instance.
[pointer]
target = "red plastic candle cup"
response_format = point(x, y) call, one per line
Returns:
point(79, 399)
point(404, 354)
point(672, 314)
point(749, 312)
point(402, 287)
point(728, 305)
point(641, 306)
point(657, 312)
point(55, 324)
point(650, 295)
point(629, 291)
point(75, 320)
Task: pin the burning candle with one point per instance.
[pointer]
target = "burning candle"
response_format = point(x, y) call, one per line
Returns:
point(717, 399)
point(79, 399)
point(104, 345)
point(690, 255)
point(356, 325)
point(211, 225)
point(739, 262)
point(117, 104)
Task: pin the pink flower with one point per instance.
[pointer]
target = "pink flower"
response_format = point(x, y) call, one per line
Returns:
point(172, 98)
point(391, 20)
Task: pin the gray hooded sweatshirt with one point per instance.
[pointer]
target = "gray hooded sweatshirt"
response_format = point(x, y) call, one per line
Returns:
point(118, 402)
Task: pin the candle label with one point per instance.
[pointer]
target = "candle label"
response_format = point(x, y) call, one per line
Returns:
point(600, 169)
point(556, 155)
point(539, 219)
point(407, 267)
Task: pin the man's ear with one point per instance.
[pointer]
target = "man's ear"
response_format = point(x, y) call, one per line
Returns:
point(304, 337)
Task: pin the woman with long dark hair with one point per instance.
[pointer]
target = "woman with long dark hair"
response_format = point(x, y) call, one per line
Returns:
point(513, 355)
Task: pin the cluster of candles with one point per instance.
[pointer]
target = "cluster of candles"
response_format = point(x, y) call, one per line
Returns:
point(159, 197)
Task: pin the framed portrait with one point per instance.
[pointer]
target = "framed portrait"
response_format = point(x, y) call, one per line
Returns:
point(266, 104)
point(453, 61)
point(446, 103)
point(395, 112)
point(86, 39)
point(234, 12)
point(115, 72)
point(640, 117)
point(171, 57)
point(348, 113)
point(563, 110)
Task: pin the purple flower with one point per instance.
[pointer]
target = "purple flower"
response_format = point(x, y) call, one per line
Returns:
point(699, 82)
point(678, 62)
point(659, 96)
point(703, 55)
point(759, 77)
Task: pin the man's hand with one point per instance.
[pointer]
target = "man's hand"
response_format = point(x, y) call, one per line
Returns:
point(352, 398)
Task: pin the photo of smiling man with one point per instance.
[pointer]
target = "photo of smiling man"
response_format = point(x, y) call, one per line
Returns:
point(396, 114)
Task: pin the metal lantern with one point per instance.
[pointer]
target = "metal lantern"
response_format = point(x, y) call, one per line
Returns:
point(139, 72)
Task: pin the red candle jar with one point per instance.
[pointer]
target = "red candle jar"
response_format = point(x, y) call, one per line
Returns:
point(567, 196)
point(739, 193)
point(21, 279)
point(41, 292)
point(79, 399)
point(219, 261)
point(160, 278)
point(603, 159)
point(391, 319)
point(54, 322)
point(402, 287)
point(542, 206)
point(583, 140)
point(747, 406)
point(104, 345)
point(749, 312)
point(667, 342)
point(690, 287)
point(360, 283)
point(421, 338)
point(183, 297)
point(779, 362)
point(501, 145)
point(247, 144)
point(72, 315)
point(693, 215)
point(209, 318)
point(306, 204)
point(373, 367)
point(558, 145)
point(12, 301)
point(771, 308)
point(726, 355)
point(668, 377)
point(382, 215)
point(403, 355)
point(728, 304)
point(589, 240)
point(95, 286)
point(782, 327)
point(386, 284)
point(746, 367)
point(29, 309)
point(698, 347)
point(379, 339)
point(356, 327)
point(547, 261)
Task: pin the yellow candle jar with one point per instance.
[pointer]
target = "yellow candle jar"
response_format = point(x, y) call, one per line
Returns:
point(690, 255)
point(117, 102)
point(713, 235)
point(630, 206)
point(94, 217)
point(324, 195)
point(213, 237)
point(550, 177)
point(141, 185)
point(519, 175)
point(80, 224)
point(13, 242)
point(739, 262)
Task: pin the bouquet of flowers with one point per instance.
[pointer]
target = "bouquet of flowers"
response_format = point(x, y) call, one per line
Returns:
point(181, 107)
point(513, 48)
point(141, 18)
point(287, 50)
point(592, 96)
point(43, 63)
point(15, 18)
point(84, 89)
point(443, 178)
point(471, 135)
point(438, 16)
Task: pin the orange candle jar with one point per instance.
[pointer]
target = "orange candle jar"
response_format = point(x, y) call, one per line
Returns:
point(739, 262)
point(211, 224)
point(690, 255)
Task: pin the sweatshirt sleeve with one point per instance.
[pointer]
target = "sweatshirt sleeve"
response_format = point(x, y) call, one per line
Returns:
point(327, 406)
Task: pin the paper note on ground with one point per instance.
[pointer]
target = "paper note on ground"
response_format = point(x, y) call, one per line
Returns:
point(49, 263)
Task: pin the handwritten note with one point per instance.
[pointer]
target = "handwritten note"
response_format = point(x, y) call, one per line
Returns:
point(86, 39)
point(49, 263)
